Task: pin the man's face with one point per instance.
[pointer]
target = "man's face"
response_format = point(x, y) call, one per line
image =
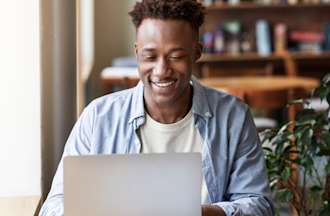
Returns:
point(166, 51)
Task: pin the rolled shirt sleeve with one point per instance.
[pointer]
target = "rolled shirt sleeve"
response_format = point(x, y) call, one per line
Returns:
point(248, 190)
point(78, 143)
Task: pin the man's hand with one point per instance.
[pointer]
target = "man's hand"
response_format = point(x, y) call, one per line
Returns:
point(212, 210)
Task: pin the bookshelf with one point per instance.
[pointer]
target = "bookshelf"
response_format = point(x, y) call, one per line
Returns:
point(209, 58)
point(245, 6)
point(301, 19)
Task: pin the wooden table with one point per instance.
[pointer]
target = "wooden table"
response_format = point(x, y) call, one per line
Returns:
point(121, 77)
point(19, 206)
point(269, 92)
point(251, 83)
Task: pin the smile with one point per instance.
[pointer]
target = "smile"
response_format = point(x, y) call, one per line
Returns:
point(163, 84)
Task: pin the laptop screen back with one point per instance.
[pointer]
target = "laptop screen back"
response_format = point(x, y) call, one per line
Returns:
point(133, 185)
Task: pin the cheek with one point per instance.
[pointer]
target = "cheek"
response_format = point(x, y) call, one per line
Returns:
point(144, 69)
point(184, 68)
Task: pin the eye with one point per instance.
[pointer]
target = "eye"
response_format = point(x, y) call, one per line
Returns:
point(176, 57)
point(149, 57)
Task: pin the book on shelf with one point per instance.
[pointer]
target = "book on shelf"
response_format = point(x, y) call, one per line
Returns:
point(233, 2)
point(292, 2)
point(248, 42)
point(230, 37)
point(219, 41)
point(232, 31)
point(225, 39)
point(263, 38)
point(306, 36)
point(280, 38)
point(207, 2)
point(311, 1)
point(307, 41)
point(327, 37)
point(208, 41)
point(219, 2)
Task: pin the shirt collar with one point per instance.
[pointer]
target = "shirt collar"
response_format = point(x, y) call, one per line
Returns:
point(137, 103)
point(200, 105)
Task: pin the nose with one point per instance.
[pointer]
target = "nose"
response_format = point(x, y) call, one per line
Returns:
point(161, 68)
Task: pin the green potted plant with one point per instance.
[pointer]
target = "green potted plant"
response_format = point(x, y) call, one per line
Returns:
point(294, 152)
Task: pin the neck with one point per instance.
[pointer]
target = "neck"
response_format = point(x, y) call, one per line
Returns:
point(170, 113)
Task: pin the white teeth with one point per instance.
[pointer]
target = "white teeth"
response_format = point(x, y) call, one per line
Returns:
point(163, 84)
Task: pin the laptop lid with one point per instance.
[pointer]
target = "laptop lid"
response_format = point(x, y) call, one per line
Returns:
point(133, 185)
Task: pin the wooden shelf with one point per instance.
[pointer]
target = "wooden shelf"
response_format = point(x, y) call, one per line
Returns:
point(298, 17)
point(208, 58)
point(244, 6)
point(310, 56)
point(214, 58)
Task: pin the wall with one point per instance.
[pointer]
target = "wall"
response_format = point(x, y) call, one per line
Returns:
point(58, 65)
point(114, 36)
point(20, 121)
point(22, 82)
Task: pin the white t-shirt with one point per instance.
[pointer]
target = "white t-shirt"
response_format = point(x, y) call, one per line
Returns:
point(180, 136)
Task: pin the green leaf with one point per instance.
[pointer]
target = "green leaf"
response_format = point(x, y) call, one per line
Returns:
point(324, 151)
point(306, 138)
point(267, 149)
point(284, 195)
point(326, 137)
point(284, 127)
point(328, 99)
point(286, 174)
point(298, 131)
point(273, 184)
point(326, 79)
point(287, 149)
point(316, 188)
point(314, 194)
point(307, 162)
point(327, 168)
point(305, 115)
point(322, 92)
point(325, 210)
point(298, 101)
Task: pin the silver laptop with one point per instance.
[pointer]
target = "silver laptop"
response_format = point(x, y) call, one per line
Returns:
point(133, 185)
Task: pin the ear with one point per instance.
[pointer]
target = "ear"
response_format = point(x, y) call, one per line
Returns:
point(198, 51)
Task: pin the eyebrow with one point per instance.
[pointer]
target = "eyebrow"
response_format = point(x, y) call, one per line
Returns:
point(148, 49)
point(172, 50)
point(178, 49)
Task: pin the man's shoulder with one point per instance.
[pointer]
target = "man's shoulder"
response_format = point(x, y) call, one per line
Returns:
point(223, 100)
point(112, 102)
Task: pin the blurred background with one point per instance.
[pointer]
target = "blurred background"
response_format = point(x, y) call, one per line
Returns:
point(58, 55)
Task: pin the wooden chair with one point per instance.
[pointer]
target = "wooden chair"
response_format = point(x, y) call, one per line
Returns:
point(266, 93)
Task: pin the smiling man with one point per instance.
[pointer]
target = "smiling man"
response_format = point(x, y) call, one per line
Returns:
point(169, 111)
point(166, 51)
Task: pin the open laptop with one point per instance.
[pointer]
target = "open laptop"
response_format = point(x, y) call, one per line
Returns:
point(133, 185)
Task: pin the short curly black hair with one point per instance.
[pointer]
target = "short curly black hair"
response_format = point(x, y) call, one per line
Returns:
point(189, 10)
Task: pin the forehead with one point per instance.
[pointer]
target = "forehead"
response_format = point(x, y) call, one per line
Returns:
point(165, 32)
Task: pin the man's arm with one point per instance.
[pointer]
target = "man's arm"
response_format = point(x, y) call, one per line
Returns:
point(54, 204)
point(78, 143)
point(248, 189)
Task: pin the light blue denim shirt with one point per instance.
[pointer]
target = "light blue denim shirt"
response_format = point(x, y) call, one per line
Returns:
point(232, 159)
